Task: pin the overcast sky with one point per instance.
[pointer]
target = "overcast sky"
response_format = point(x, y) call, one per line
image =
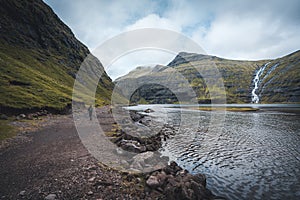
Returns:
point(235, 29)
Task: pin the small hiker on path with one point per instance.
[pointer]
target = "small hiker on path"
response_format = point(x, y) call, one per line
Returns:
point(90, 110)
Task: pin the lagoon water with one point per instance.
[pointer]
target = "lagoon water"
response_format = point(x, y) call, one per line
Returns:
point(245, 155)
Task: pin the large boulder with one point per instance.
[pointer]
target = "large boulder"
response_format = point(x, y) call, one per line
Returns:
point(175, 183)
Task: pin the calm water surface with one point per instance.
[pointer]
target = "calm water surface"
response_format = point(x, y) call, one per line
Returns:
point(245, 155)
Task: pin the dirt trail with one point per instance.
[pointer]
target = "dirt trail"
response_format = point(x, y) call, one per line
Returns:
point(54, 163)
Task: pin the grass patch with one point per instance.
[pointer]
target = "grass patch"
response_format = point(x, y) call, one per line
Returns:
point(6, 130)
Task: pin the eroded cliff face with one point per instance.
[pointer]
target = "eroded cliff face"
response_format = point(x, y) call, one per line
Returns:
point(164, 84)
point(39, 58)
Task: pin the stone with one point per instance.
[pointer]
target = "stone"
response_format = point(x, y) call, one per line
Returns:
point(140, 160)
point(133, 146)
point(135, 116)
point(162, 177)
point(90, 193)
point(143, 156)
point(153, 182)
point(50, 197)
point(175, 183)
point(92, 179)
point(200, 178)
point(172, 169)
point(22, 115)
point(149, 110)
point(22, 193)
point(137, 166)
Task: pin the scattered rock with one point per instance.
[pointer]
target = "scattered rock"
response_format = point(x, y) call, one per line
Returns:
point(92, 179)
point(140, 160)
point(148, 161)
point(175, 183)
point(139, 144)
point(22, 193)
point(133, 146)
point(90, 193)
point(21, 116)
point(149, 110)
point(50, 197)
point(153, 182)
point(135, 116)
point(143, 157)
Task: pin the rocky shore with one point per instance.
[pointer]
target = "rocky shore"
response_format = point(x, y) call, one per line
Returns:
point(170, 181)
point(138, 144)
point(53, 164)
point(173, 182)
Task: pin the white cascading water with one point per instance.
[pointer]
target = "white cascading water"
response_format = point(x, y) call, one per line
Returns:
point(255, 98)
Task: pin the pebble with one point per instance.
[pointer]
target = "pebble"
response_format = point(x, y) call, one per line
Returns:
point(152, 182)
point(50, 197)
point(22, 193)
point(90, 193)
point(92, 179)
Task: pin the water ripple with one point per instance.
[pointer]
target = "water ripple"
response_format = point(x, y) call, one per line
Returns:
point(254, 156)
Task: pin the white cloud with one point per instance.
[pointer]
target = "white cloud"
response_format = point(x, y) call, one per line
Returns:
point(244, 37)
point(154, 21)
point(142, 57)
point(250, 29)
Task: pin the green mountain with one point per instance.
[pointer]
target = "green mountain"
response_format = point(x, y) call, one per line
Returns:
point(280, 80)
point(278, 83)
point(39, 58)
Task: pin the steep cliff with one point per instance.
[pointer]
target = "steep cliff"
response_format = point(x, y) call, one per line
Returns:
point(39, 58)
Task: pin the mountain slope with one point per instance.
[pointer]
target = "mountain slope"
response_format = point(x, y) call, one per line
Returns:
point(280, 85)
point(39, 58)
point(280, 81)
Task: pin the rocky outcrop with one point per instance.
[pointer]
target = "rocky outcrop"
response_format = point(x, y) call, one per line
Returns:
point(138, 144)
point(173, 182)
point(162, 180)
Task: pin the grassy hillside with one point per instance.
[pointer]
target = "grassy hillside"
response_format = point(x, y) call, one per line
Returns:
point(236, 75)
point(197, 69)
point(279, 82)
point(39, 58)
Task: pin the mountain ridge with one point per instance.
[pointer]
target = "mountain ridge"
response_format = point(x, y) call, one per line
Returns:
point(237, 77)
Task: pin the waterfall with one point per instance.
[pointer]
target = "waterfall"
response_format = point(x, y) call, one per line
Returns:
point(255, 98)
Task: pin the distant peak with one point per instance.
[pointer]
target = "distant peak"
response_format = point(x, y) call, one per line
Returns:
point(185, 57)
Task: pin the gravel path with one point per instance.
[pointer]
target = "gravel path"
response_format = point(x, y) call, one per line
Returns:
point(53, 164)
